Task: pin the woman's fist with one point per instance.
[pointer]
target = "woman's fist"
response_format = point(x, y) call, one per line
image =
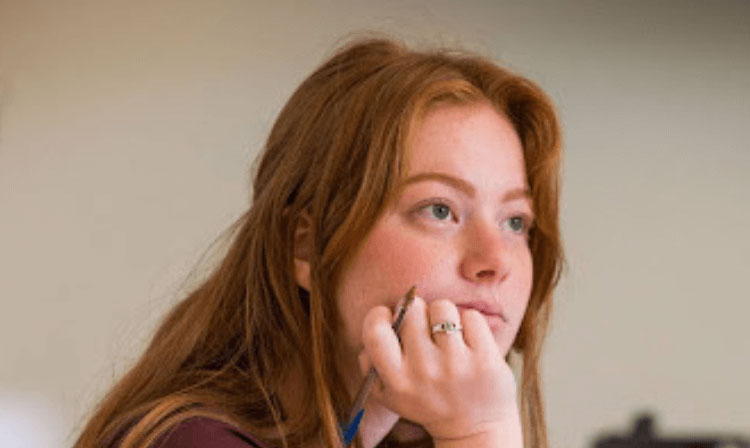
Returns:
point(456, 384)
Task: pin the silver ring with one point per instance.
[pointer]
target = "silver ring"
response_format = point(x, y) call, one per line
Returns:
point(446, 327)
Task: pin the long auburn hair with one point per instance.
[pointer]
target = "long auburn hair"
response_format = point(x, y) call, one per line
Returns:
point(335, 153)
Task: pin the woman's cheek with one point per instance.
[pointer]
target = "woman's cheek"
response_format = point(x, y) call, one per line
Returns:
point(405, 257)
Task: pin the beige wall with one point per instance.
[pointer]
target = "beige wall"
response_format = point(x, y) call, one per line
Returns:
point(127, 130)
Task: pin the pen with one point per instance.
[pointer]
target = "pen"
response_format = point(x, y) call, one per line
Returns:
point(358, 409)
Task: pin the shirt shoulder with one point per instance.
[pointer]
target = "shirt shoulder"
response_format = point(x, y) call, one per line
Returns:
point(204, 432)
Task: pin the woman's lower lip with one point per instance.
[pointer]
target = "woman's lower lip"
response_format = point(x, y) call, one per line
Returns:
point(493, 320)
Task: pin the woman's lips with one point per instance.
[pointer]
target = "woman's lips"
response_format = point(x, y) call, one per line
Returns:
point(495, 320)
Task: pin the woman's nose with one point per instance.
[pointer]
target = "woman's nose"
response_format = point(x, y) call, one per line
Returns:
point(486, 256)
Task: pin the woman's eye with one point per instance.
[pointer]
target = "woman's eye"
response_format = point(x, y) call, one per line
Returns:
point(517, 224)
point(439, 210)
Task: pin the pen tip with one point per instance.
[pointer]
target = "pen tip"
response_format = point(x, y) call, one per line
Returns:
point(410, 294)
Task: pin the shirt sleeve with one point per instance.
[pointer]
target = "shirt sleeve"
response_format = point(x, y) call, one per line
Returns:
point(203, 432)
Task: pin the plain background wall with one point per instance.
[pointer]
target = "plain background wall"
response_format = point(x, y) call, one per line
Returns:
point(127, 130)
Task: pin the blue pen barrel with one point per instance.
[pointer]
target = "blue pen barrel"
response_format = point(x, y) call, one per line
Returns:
point(351, 431)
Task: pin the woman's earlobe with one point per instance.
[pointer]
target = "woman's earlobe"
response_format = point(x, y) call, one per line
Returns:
point(302, 273)
point(303, 250)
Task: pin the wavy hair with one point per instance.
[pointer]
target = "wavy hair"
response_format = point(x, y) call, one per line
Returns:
point(335, 154)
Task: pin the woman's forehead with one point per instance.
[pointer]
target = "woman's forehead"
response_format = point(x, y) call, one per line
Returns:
point(465, 141)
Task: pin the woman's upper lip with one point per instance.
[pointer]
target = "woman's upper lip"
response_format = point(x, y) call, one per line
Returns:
point(483, 307)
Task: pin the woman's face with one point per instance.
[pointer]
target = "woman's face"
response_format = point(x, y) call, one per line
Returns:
point(457, 228)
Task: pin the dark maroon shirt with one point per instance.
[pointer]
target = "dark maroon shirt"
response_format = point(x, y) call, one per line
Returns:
point(204, 432)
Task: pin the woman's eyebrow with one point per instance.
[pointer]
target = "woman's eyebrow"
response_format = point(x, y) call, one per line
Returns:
point(461, 185)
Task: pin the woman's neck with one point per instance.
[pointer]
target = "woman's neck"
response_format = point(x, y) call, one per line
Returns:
point(295, 397)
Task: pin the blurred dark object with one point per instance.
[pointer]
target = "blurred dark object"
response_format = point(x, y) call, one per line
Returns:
point(643, 437)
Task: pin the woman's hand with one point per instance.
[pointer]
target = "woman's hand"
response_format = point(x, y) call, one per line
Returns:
point(456, 385)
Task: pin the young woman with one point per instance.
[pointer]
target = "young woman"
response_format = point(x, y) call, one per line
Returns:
point(388, 168)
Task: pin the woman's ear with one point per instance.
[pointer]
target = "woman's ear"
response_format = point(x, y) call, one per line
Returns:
point(303, 250)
